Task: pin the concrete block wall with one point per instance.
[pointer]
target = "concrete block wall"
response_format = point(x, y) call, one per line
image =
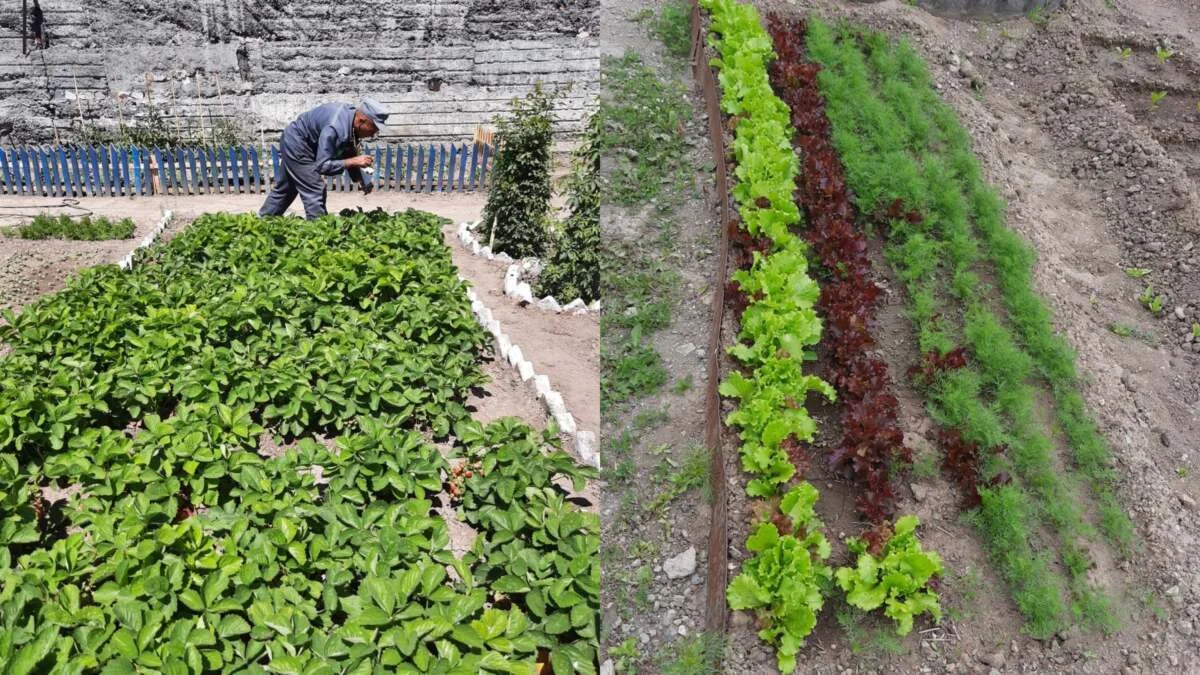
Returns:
point(441, 66)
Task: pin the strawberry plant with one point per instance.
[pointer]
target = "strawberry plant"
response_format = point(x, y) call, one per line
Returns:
point(786, 579)
point(142, 530)
point(85, 228)
point(893, 573)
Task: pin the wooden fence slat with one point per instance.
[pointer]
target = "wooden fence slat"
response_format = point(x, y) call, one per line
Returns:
point(48, 178)
point(258, 183)
point(453, 166)
point(87, 158)
point(385, 184)
point(14, 173)
point(42, 172)
point(429, 170)
point(64, 161)
point(462, 167)
point(122, 156)
point(6, 187)
point(408, 170)
point(378, 163)
point(205, 177)
point(441, 186)
point(487, 151)
point(474, 167)
point(64, 157)
point(77, 164)
point(29, 161)
point(50, 165)
point(18, 173)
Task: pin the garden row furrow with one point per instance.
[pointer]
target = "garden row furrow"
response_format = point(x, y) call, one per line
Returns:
point(224, 460)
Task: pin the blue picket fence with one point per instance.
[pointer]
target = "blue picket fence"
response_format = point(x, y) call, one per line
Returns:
point(117, 171)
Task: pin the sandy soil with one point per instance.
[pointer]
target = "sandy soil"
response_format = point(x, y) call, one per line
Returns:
point(564, 347)
point(640, 601)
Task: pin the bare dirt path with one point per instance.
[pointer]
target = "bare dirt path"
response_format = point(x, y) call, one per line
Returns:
point(565, 347)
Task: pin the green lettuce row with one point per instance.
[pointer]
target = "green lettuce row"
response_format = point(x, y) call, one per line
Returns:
point(780, 323)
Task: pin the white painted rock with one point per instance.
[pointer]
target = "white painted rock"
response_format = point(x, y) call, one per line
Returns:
point(552, 399)
point(549, 304)
point(503, 345)
point(515, 355)
point(504, 257)
point(541, 386)
point(595, 306)
point(575, 305)
point(510, 280)
point(586, 448)
point(566, 421)
point(485, 252)
point(475, 248)
point(485, 315)
point(493, 327)
point(525, 368)
point(524, 292)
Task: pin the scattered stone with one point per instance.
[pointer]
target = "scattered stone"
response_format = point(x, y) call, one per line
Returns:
point(1187, 501)
point(682, 565)
point(920, 492)
point(685, 349)
point(995, 659)
point(549, 304)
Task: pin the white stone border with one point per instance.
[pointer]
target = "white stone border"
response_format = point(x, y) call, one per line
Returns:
point(585, 441)
point(513, 287)
point(127, 261)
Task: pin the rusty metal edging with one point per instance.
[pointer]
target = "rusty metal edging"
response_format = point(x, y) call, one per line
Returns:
point(718, 536)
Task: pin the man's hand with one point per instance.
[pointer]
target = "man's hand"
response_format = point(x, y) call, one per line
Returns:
point(358, 162)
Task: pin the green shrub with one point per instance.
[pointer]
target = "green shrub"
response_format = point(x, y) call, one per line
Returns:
point(519, 197)
point(574, 270)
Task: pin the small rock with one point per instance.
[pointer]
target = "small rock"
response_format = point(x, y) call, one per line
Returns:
point(608, 668)
point(1187, 501)
point(549, 304)
point(682, 565)
point(685, 349)
point(742, 620)
point(575, 305)
point(994, 659)
point(920, 492)
point(1180, 313)
point(1164, 439)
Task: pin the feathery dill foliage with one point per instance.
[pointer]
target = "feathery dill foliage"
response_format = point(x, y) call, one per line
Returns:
point(901, 145)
